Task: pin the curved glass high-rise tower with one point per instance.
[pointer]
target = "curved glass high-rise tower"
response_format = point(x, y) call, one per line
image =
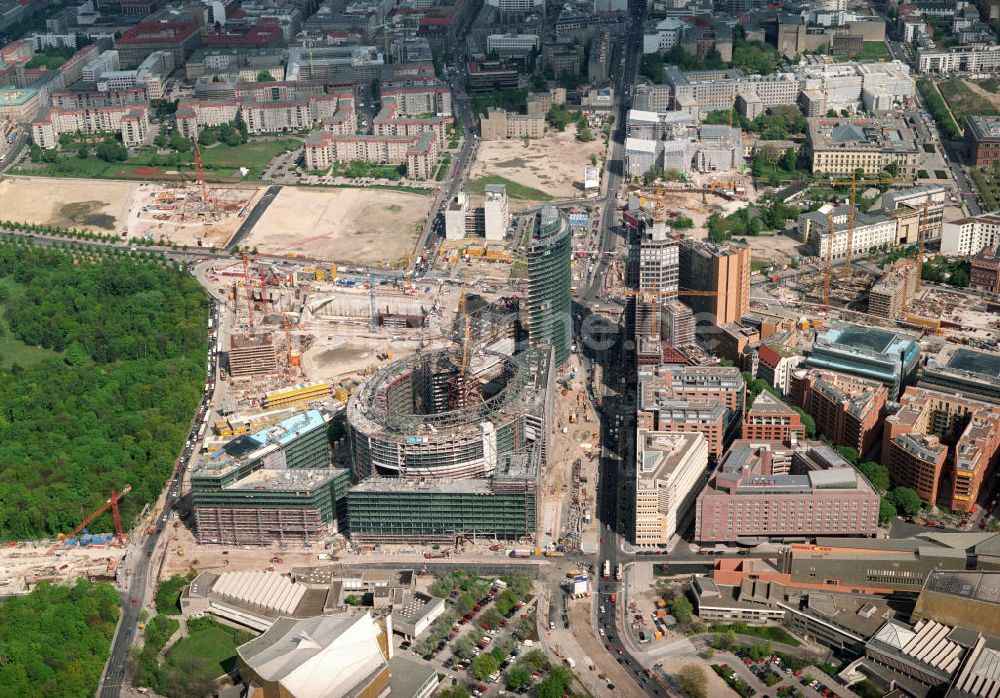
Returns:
point(549, 249)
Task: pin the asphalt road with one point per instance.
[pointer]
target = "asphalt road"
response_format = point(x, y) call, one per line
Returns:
point(614, 453)
point(251, 220)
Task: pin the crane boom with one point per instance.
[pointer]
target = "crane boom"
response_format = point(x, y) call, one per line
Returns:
point(246, 280)
point(920, 246)
point(850, 229)
point(828, 272)
point(111, 503)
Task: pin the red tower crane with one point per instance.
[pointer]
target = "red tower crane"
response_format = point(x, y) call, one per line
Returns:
point(113, 503)
point(199, 172)
point(246, 279)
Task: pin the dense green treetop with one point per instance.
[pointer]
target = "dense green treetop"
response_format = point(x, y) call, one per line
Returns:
point(115, 406)
point(54, 642)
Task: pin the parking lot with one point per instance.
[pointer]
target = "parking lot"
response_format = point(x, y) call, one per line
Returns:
point(480, 631)
point(770, 677)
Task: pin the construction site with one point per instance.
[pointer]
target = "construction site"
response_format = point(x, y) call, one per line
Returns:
point(177, 213)
point(696, 200)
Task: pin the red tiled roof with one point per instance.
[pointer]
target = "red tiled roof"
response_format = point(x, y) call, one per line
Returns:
point(157, 33)
point(768, 356)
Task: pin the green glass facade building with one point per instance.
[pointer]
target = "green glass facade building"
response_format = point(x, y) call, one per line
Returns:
point(549, 250)
point(272, 486)
point(406, 510)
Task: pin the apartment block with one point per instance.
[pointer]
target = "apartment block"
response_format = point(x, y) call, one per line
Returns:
point(708, 417)
point(93, 99)
point(967, 236)
point(131, 122)
point(770, 419)
point(499, 124)
point(769, 489)
point(843, 146)
point(937, 436)
point(678, 382)
point(849, 410)
point(415, 99)
point(959, 59)
point(419, 153)
point(668, 470)
point(391, 122)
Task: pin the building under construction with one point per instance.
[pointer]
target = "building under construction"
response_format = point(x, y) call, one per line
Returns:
point(252, 355)
point(273, 486)
point(426, 417)
point(408, 510)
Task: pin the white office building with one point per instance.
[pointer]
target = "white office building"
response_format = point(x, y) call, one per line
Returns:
point(496, 213)
point(669, 467)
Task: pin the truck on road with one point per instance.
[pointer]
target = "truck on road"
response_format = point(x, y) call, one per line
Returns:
point(607, 569)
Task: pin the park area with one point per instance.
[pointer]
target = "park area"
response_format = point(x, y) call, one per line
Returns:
point(971, 98)
point(360, 226)
point(222, 162)
point(539, 169)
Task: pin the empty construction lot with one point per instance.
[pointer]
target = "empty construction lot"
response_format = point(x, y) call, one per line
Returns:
point(360, 226)
point(544, 168)
point(69, 203)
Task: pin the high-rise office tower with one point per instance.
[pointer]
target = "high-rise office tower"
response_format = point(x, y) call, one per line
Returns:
point(720, 270)
point(550, 320)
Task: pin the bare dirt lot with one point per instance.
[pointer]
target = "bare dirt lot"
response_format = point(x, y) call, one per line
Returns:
point(553, 164)
point(98, 205)
point(362, 226)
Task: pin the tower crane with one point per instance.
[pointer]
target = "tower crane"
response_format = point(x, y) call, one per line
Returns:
point(249, 288)
point(853, 182)
point(112, 502)
point(828, 271)
point(199, 172)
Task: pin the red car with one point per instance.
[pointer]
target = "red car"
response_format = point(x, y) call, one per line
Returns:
point(620, 651)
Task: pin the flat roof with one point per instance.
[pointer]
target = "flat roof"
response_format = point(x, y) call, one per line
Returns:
point(980, 362)
point(16, 96)
point(978, 586)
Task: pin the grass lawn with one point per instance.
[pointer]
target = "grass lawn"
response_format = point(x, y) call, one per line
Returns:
point(765, 632)
point(254, 155)
point(990, 85)
point(514, 190)
point(871, 51)
point(207, 652)
point(962, 101)
point(13, 350)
